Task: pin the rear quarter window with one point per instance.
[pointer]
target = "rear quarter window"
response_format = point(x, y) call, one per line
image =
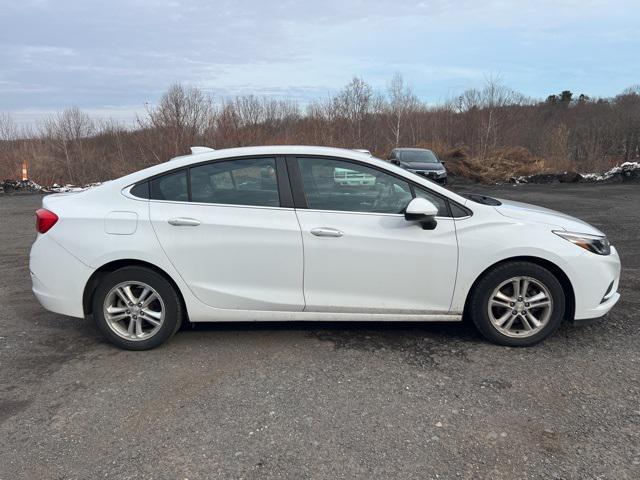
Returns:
point(171, 187)
point(140, 190)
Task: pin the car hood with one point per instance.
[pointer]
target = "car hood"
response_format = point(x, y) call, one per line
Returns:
point(534, 213)
point(423, 166)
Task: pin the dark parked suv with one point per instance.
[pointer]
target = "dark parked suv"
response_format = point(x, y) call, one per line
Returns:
point(421, 161)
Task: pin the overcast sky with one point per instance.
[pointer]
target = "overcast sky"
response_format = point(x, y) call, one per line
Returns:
point(110, 57)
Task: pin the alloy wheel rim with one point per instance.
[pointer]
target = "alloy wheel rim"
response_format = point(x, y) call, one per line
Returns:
point(520, 307)
point(134, 310)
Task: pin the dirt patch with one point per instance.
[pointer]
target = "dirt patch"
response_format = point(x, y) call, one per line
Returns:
point(420, 346)
point(9, 408)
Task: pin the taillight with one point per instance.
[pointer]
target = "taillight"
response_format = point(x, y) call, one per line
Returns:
point(45, 220)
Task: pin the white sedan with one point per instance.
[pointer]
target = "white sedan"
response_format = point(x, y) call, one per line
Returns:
point(271, 233)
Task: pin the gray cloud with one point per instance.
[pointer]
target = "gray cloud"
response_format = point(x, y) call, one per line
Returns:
point(124, 53)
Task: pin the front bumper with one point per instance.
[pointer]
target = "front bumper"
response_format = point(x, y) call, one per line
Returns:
point(434, 175)
point(595, 283)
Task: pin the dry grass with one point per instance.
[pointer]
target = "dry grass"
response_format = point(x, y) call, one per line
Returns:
point(499, 165)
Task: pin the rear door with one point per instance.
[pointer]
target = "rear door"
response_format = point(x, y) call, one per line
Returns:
point(229, 228)
point(361, 255)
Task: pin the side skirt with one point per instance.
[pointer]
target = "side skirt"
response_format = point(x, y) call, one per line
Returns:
point(269, 316)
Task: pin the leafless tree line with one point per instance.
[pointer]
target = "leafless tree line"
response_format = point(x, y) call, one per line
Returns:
point(491, 128)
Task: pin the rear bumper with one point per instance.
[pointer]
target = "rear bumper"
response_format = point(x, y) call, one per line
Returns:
point(57, 277)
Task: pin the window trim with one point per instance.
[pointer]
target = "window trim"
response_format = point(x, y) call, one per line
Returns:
point(282, 182)
point(297, 187)
point(290, 187)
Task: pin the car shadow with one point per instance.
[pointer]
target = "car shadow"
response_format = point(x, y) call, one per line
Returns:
point(368, 336)
point(430, 345)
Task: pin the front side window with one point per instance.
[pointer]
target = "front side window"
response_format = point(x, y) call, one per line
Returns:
point(344, 186)
point(172, 187)
point(439, 202)
point(236, 182)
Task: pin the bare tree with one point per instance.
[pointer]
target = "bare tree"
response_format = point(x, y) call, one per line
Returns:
point(496, 130)
point(401, 101)
point(8, 128)
point(66, 133)
point(8, 143)
point(182, 115)
point(354, 103)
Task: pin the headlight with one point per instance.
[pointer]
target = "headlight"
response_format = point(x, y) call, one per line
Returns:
point(594, 243)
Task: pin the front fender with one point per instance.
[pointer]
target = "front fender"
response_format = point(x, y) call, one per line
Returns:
point(484, 244)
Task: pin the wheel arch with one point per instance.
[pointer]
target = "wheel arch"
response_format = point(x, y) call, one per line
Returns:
point(94, 281)
point(567, 287)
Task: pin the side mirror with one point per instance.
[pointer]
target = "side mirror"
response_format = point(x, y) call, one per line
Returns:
point(423, 211)
point(395, 161)
point(442, 162)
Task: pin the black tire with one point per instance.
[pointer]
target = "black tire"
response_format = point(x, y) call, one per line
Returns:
point(478, 304)
point(173, 310)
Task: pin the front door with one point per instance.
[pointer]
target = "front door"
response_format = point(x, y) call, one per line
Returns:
point(222, 226)
point(360, 253)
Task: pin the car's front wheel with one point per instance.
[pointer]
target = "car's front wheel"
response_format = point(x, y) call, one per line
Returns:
point(136, 308)
point(517, 304)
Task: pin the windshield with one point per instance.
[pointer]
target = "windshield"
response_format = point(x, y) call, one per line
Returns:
point(417, 156)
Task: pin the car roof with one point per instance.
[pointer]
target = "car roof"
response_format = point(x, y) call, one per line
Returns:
point(277, 150)
point(204, 156)
point(412, 149)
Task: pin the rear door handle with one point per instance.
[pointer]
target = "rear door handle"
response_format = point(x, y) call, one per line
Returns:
point(326, 232)
point(184, 222)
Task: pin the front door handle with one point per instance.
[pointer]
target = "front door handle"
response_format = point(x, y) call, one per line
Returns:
point(184, 222)
point(326, 232)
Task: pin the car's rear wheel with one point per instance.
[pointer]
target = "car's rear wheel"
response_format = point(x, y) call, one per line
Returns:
point(136, 308)
point(517, 304)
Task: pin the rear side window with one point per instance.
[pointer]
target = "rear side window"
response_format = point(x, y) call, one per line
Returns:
point(172, 187)
point(236, 182)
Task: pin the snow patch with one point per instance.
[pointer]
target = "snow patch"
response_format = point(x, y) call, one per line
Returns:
point(627, 169)
point(29, 186)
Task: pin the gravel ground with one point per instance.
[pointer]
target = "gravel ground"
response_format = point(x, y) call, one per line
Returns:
point(323, 400)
